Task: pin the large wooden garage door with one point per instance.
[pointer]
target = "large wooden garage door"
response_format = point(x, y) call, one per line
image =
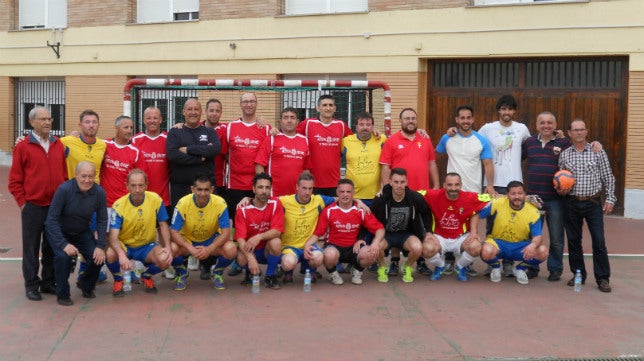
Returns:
point(593, 89)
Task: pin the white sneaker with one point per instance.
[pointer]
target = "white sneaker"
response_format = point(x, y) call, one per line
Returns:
point(521, 276)
point(169, 273)
point(335, 278)
point(193, 263)
point(495, 275)
point(356, 276)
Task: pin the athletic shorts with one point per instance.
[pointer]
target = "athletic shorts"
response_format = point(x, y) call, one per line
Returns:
point(139, 253)
point(509, 250)
point(299, 252)
point(346, 254)
point(451, 244)
point(397, 239)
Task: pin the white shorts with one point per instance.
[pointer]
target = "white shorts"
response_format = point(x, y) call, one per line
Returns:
point(451, 244)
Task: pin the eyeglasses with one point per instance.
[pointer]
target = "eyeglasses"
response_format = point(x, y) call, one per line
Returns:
point(44, 119)
point(246, 102)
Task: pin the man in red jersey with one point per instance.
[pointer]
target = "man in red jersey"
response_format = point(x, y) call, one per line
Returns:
point(258, 227)
point(152, 151)
point(120, 158)
point(455, 226)
point(37, 169)
point(325, 141)
point(285, 155)
point(409, 150)
point(243, 139)
point(343, 221)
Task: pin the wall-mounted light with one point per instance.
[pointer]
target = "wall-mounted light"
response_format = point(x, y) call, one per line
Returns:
point(233, 46)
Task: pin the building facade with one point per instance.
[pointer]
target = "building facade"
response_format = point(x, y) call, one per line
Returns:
point(576, 58)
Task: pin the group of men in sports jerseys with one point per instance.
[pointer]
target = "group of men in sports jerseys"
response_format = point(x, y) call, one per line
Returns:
point(277, 188)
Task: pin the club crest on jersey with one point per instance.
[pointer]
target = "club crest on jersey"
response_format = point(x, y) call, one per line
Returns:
point(419, 145)
point(200, 214)
point(139, 212)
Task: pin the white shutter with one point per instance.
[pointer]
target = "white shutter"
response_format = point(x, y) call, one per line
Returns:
point(151, 11)
point(345, 6)
point(57, 14)
point(32, 13)
point(185, 6)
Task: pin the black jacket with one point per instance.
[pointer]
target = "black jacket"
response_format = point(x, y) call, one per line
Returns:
point(420, 214)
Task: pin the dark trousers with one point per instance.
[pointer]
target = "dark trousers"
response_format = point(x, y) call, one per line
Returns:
point(331, 192)
point(177, 191)
point(234, 196)
point(555, 218)
point(590, 210)
point(33, 235)
point(86, 244)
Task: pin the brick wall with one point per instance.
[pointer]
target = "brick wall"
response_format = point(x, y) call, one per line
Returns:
point(82, 13)
point(103, 94)
point(6, 113)
point(8, 12)
point(635, 131)
point(232, 9)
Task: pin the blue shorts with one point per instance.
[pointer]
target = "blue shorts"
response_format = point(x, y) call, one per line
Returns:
point(509, 250)
point(207, 242)
point(298, 252)
point(140, 253)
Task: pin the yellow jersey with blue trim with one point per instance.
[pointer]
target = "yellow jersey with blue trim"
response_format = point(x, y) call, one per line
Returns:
point(511, 225)
point(138, 224)
point(198, 224)
point(363, 166)
point(300, 219)
point(76, 151)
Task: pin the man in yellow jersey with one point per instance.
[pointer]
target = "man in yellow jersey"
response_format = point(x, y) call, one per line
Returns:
point(133, 231)
point(201, 228)
point(86, 147)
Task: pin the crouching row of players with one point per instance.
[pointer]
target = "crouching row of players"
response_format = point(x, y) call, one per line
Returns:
point(286, 231)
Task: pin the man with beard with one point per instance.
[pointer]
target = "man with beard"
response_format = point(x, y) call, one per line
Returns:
point(515, 235)
point(455, 226)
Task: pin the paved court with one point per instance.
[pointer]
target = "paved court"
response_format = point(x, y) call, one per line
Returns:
point(445, 320)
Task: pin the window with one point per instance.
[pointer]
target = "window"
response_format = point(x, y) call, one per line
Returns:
point(169, 102)
point(48, 93)
point(154, 11)
point(37, 14)
point(302, 7)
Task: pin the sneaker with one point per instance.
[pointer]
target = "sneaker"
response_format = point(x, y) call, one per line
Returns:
point(393, 269)
point(438, 273)
point(335, 278)
point(382, 274)
point(448, 269)
point(247, 279)
point(272, 282)
point(193, 263)
point(117, 289)
point(148, 283)
point(180, 283)
point(169, 273)
point(461, 274)
point(495, 274)
point(288, 277)
point(471, 271)
point(508, 269)
point(356, 276)
point(373, 268)
point(423, 269)
point(218, 282)
point(234, 270)
point(521, 276)
point(407, 272)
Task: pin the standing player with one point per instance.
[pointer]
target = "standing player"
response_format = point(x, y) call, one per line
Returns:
point(258, 227)
point(325, 141)
point(455, 226)
point(133, 232)
point(201, 228)
point(86, 147)
point(284, 156)
point(214, 110)
point(343, 221)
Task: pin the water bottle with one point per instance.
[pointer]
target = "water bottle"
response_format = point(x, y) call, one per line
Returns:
point(307, 281)
point(255, 287)
point(578, 281)
point(127, 281)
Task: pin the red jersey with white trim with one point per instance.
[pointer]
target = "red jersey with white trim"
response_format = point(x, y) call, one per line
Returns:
point(118, 161)
point(344, 224)
point(220, 159)
point(251, 220)
point(243, 141)
point(325, 144)
point(152, 151)
point(412, 155)
point(451, 217)
point(284, 157)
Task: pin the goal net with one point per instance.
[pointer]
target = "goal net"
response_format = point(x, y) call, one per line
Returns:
point(169, 95)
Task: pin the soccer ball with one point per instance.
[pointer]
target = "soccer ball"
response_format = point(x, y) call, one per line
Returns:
point(563, 180)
